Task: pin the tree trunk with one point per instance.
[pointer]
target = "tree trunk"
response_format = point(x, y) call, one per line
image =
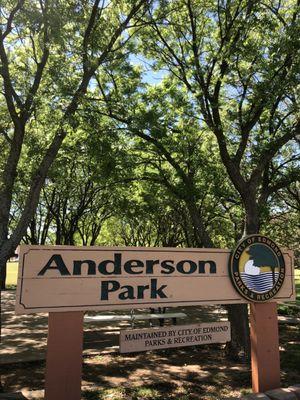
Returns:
point(239, 347)
point(6, 251)
point(202, 238)
point(3, 269)
point(238, 313)
point(252, 223)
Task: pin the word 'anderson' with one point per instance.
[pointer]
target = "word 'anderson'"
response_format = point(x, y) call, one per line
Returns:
point(115, 267)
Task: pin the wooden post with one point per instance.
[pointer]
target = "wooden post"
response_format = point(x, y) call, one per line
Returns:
point(64, 356)
point(265, 361)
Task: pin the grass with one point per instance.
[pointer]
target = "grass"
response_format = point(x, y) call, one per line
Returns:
point(12, 274)
point(297, 282)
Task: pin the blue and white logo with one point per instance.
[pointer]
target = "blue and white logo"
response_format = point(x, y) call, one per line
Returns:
point(257, 268)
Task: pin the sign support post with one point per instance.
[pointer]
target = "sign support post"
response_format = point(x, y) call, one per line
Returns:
point(64, 356)
point(265, 360)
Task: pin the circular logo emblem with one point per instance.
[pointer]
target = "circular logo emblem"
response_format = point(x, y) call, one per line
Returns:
point(257, 268)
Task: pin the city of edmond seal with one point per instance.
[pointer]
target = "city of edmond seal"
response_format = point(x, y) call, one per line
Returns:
point(257, 268)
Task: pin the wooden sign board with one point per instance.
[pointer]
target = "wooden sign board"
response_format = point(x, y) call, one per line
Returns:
point(69, 278)
point(133, 340)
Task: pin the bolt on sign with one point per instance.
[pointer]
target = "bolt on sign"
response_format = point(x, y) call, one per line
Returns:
point(132, 340)
point(68, 278)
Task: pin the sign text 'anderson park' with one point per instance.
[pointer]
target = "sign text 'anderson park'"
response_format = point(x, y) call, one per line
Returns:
point(64, 278)
point(117, 267)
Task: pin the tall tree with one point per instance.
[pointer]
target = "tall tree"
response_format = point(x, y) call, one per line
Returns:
point(238, 61)
point(175, 156)
point(180, 156)
point(49, 52)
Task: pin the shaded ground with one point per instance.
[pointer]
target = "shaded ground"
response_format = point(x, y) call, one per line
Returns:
point(182, 374)
point(24, 337)
point(200, 372)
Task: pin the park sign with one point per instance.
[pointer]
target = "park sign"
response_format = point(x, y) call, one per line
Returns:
point(69, 278)
point(133, 340)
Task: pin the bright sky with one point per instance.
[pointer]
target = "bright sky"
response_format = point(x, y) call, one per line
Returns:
point(149, 76)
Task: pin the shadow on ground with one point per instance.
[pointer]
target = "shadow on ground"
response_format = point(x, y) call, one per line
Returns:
point(198, 372)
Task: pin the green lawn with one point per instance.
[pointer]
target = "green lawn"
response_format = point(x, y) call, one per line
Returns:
point(12, 273)
point(297, 281)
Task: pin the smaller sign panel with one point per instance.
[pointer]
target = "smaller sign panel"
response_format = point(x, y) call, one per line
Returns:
point(133, 340)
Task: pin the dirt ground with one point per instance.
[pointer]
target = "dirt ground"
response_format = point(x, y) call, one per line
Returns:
point(197, 372)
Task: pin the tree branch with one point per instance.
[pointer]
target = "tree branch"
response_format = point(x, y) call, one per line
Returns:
point(11, 17)
point(42, 170)
point(273, 148)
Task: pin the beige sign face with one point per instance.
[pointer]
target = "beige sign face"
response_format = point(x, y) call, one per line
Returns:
point(174, 336)
point(69, 278)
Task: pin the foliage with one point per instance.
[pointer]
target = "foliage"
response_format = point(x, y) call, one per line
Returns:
point(49, 52)
point(178, 162)
point(237, 62)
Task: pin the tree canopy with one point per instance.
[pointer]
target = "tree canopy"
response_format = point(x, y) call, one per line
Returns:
point(170, 123)
point(149, 123)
